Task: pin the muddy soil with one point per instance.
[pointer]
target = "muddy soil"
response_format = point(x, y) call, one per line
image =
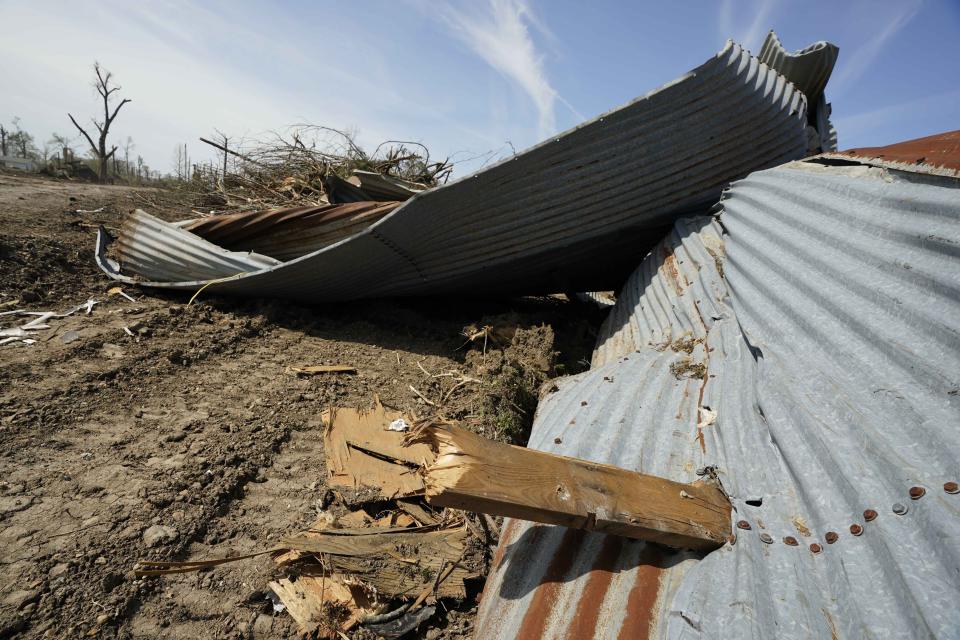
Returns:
point(156, 429)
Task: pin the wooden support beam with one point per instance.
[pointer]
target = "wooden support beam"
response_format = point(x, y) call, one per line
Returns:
point(476, 474)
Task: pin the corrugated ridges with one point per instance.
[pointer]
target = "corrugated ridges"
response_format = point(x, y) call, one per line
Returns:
point(937, 154)
point(149, 247)
point(830, 387)
point(652, 312)
point(808, 68)
point(289, 233)
point(638, 415)
point(844, 282)
point(557, 216)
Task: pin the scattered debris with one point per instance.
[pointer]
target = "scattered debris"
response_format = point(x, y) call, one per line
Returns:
point(117, 291)
point(21, 333)
point(321, 605)
point(398, 425)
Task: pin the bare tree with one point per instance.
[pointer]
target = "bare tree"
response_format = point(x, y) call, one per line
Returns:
point(3, 140)
point(21, 141)
point(103, 87)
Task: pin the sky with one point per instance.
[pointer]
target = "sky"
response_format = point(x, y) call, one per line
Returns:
point(475, 81)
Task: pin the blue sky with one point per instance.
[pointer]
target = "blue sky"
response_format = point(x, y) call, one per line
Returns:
point(472, 80)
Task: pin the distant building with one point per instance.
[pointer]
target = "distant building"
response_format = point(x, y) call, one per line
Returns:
point(24, 164)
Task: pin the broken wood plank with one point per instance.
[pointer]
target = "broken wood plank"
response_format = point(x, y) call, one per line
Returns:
point(362, 452)
point(419, 513)
point(322, 605)
point(395, 561)
point(476, 474)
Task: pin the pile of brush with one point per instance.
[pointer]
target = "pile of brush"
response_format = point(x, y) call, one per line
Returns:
point(313, 165)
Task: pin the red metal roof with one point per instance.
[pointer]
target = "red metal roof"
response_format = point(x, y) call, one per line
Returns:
point(940, 150)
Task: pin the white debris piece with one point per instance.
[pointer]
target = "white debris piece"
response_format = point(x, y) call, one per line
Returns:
point(398, 425)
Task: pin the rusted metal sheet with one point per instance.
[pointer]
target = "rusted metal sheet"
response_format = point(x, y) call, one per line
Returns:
point(937, 154)
point(149, 248)
point(289, 233)
point(805, 348)
point(551, 582)
point(573, 213)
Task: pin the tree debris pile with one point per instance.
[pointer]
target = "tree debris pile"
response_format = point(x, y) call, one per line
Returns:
point(315, 165)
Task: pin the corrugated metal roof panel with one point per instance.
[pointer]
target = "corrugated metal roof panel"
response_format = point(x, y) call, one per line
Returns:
point(828, 327)
point(289, 233)
point(937, 154)
point(808, 69)
point(562, 214)
point(150, 247)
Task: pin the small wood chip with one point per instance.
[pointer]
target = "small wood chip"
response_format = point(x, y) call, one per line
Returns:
point(311, 370)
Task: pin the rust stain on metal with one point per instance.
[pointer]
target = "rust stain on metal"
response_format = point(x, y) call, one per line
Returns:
point(831, 537)
point(743, 524)
point(644, 594)
point(833, 627)
point(585, 619)
point(951, 487)
point(940, 150)
point(856, 529)
point(505, 537)
point(815, 548)
point(917, 492)
point(801, 526)
point(869, 515)
point(675, 278)
point(289, 233)
point(541, 606)
point(790, 541)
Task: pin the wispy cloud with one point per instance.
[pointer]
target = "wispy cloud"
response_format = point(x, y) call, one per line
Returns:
point(191, 67)
point(861, 59)
point(749, 34)
point(939, 113)
point(501, 36)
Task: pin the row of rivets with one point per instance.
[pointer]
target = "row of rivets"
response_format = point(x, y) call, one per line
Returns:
point(869, 515)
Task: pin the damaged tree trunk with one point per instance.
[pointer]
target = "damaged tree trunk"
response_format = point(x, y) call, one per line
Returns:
point(476, 474)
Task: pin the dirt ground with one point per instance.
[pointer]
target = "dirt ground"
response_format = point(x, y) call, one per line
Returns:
point(193, 422)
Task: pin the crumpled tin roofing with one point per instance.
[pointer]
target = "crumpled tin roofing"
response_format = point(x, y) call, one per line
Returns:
point(568, 213)
point(808, 69)
point(806, 346)
point(150, 247)
point(289, 233)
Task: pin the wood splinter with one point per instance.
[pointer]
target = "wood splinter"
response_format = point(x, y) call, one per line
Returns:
point(476, 474)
